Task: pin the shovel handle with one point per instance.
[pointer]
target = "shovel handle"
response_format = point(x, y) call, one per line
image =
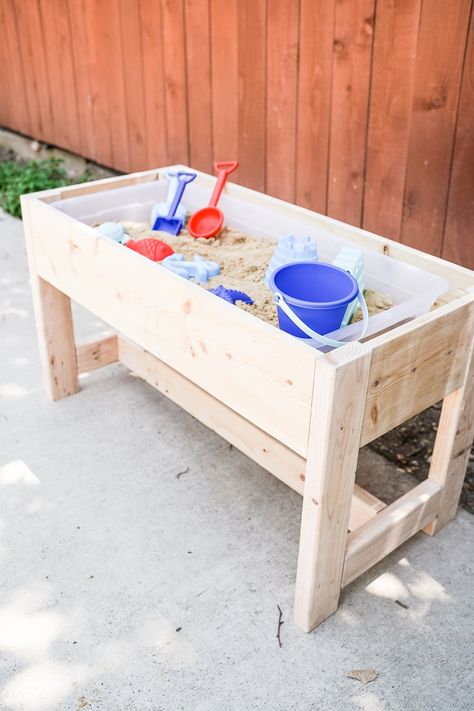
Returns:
point(223, 169)
point(183, 180)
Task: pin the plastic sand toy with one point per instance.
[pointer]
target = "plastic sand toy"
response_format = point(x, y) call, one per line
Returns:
point(200, 269)
point(161, 209)
point(292, 249)
point(154, 249)
point(170, 223)
point(207, 221)
point(231, 295)
point(352, 261)
point(114, 231)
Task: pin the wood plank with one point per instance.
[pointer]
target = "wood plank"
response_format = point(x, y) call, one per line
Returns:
point(19, 107)
point(99, 54)
point(82, 62)
point(314, 103)
point(353, 32)
point(390, 528)
point(64, 128)
point(92, 353)
point(54, 325)
point(133, 81)
point(153, 82)
point(452, 447)
point(225, 87)
point(198, 82)
point(339, 393)
point(16, 31)
point(443, 29)
point(424, 363)
point(365, 506)
point(170, 317)
point(268, 452)
point(251, 28)
point(7, 112)
point(282, 59)
point(391, 98)
point(173, 40)
point(457, 241)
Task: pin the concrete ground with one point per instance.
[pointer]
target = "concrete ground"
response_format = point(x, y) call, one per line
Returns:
point(143, 561)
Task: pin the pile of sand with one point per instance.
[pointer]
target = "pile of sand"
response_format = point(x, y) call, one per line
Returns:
point(243, 260)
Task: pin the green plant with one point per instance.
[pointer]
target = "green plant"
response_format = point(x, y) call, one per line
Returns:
point(18, 178)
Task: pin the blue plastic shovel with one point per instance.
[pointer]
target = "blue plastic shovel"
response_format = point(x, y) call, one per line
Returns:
point(170, 223)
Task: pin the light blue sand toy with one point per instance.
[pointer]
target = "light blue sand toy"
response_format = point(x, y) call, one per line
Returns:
point(352, 261)
point(292, 249)
point(200, 269)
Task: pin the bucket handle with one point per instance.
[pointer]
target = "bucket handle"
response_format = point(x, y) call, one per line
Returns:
point(281, 303)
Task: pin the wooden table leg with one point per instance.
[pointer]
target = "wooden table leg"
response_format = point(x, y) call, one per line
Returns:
point(56, 339)
point(53, 324)
point(452, 448)
point(339, 394)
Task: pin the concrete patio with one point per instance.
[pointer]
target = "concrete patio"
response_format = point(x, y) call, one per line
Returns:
point(143, 561)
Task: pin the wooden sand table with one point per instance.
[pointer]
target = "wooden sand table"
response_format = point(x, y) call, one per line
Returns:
point(243, 260)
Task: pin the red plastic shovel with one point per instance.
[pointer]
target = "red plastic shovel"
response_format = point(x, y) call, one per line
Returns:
point(208, 221)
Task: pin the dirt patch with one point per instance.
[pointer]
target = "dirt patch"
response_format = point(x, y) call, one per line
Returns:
point(410, 447)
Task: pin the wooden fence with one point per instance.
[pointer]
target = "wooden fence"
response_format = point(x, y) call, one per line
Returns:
point(361, 109)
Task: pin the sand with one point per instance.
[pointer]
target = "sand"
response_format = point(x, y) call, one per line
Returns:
point(243, 260)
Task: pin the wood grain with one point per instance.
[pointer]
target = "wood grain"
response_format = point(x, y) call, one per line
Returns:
point(391, 98)
point(174, 64)
point(435, 350)
point(443, 27)
point(225, 81)
point(314, 102)
point(339, 393)
point(282, 57)
point(458, 241)
point(353, 34)
point(198, 75)
point(169, 317)
point(390, 528)
point(453, 446)
point(153, 82)
point(251, 23)
point(134, 91)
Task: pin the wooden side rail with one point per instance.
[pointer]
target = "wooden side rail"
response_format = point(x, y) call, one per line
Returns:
point(272, 455)
point(417, 365)
point(392, 527)
point(94, 353)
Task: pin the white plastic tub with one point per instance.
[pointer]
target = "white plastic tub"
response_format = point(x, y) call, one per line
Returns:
point(413, 290)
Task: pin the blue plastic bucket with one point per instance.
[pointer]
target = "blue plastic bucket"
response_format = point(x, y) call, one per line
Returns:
point(317, 293)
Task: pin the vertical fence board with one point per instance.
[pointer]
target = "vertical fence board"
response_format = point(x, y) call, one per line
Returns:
point(314, 102)
point(443, 29)
point(82, 68)
point(459, 238)
point(198, 70)
point(252, 89)
point(7, 103)
point(153, 82)
point(353, 32)
point(61, 78)
point(32, 56)
point(391, 98)
point(131, 40)
point(175, 81)
point(282, 57)
point(225, 87)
